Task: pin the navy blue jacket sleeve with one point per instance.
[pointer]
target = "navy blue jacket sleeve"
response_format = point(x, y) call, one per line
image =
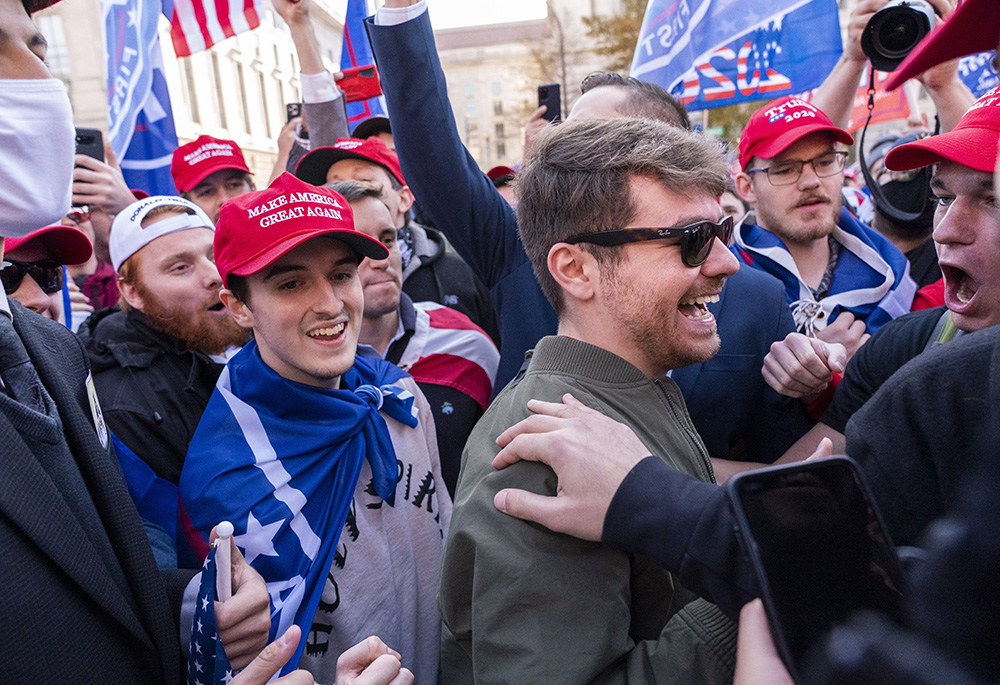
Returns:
point(687, 527)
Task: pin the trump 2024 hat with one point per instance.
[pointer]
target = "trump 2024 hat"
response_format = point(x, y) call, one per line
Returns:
point(972, 143)
point(776, 126)
point(256, 229)
point(313, 166)
point(128, 235)
point(194, 162)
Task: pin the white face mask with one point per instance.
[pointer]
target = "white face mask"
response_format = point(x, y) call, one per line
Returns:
point(37, 144)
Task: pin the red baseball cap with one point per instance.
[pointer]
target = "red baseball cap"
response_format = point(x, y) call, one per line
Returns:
point(195, 161)
point(774, 127)
point(64, 244)
point(313, 166)
point(972, 143)
point(974, 27)
point(255, 229)
point(499, 172)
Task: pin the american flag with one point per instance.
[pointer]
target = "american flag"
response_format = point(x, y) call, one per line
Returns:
point(207, 662)
point(199, 24)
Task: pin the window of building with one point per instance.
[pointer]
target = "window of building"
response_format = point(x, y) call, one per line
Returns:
point(498, 129)
point(497, 107)
point(497, 87)
point(187, 76)
point(470, 109)
point(241, 86)
point(263, 102)
point(219, 100)
point(470, 90)
point(501, 150)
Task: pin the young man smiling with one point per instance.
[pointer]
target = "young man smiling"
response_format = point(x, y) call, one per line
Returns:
point(521, 604)
point(315, 439)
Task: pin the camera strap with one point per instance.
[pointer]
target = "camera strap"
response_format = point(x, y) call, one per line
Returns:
point(881, 201)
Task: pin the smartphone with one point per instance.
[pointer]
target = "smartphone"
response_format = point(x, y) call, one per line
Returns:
point(819, 550)
point(292, 110)
point(90, 142)
point(360, 83)
point(549, 95)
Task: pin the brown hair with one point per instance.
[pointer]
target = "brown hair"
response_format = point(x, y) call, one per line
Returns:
point(644, 99)
point(577, 180)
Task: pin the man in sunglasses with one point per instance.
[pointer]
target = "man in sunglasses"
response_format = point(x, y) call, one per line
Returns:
point(32, 268)
point(630, 260)
point(842, 279)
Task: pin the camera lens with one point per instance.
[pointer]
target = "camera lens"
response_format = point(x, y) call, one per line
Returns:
point(898, 35)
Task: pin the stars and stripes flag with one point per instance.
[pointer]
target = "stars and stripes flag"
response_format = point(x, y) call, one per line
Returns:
point(197, 25)
point(207, 662)
point(357, 52)
point(712, 53)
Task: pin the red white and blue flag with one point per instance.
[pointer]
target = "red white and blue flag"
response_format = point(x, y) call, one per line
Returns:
point(357, 52)
point(207, 661)
point(197, 25)
point(713, 53)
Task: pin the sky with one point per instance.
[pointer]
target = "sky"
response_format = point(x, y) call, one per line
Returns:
point(447, 14)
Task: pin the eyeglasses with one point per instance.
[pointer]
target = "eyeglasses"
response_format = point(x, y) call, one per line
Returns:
point(78, 214)
point(787, 173)
point(48, 274)
point(696, 239)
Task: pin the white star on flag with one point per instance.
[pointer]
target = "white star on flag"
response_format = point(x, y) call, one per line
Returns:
point(258, 540)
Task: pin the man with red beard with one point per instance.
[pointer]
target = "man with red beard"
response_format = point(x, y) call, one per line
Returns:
point(156, 361)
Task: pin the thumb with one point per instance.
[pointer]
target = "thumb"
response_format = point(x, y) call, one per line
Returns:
point(836, 357)
point(271, 659)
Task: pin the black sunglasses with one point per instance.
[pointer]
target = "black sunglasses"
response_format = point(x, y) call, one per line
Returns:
point(48, 274)
point(696, 239)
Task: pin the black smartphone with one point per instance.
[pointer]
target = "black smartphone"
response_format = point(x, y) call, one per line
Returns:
point(292, 110)
point(819, 550)
point(90, 142)
point(549, 96)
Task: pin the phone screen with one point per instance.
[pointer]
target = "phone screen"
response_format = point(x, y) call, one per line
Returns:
point(819, 550)
point(549, 95)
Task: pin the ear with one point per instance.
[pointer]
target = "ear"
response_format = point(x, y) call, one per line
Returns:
point(574, 270)
point(405, 199)
point(238, 309)
point(130, 295)
point(744, 187)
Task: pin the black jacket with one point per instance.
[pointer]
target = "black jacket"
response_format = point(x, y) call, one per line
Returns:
point(153, 389)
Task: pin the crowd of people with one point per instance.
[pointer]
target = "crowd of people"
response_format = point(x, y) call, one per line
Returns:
point(472, 427)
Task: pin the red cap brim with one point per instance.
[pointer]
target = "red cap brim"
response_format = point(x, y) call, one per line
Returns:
point(64, 244)
point(359, 242)
point(975, 148)
point(974, 27)
point(775, 147)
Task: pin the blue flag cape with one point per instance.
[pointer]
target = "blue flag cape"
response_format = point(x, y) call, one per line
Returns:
point(872, 279)
point(280, 460)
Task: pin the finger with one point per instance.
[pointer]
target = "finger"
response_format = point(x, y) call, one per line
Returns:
point(528, 506)
point(358, 657)
point(782, 383)
point(405, 677)
point(384, 669)
point(537, 423)
point(87, 162)
point(537, 114)
point(527, 446)
point(754, 634)
point(823, 450)
point(270, 661)
point(109, 155)
point(837, 357)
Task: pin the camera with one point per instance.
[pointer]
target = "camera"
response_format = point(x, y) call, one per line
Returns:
point(895, 30)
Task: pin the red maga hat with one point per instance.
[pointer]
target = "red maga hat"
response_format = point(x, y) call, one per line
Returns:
point(313, 166)
point(196, 161)
point(64, 244)
point(776, 126)
point(974, 27)
point(255, 229)
point(972, 143)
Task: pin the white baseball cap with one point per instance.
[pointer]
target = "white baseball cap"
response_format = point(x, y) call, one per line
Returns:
point(128, 235)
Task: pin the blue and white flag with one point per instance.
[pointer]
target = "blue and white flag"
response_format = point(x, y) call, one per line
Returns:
point(357, 52)
point(872, 279)
point(140, 121)
point(207, 661)
point(713, 53)
point(281, 461)
point(977, 72)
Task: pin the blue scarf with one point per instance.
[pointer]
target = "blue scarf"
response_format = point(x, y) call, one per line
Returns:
point(871, 280)
point(281, 460)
